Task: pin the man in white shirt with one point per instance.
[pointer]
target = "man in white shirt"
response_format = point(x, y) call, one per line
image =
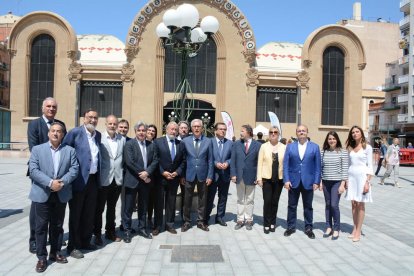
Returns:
point(392, 158)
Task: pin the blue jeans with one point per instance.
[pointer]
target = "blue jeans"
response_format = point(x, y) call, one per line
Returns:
point(332, 214)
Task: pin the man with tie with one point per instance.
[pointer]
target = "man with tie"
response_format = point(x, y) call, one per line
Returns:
point(111, 177)
point(301, 175)
point(37, 133)
point(123, 128)
point(53, 167)
point(222, 159)
point(86, 140)
point(199, 172)
point(169, 152)
point(243, 172)
point(140, 164)
point(183, 131)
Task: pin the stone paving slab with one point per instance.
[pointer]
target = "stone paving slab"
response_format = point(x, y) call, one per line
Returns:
point(387, 247)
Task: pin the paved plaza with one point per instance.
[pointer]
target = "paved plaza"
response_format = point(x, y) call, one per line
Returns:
point(387, 247)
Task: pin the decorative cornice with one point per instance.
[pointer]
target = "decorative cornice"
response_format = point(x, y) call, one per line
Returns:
point(307, 63)
point(75, 71)
point(12, 52)
point(72, 54)
point(155, 7)
point(127, 72)
point(303, 80)
point(252, 77)
point(361, 66)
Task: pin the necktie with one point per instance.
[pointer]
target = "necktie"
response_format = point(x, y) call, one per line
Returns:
point(221, 148)
point(197, 145)
point(246, 147)
point(172, 149)
point(49, 123)
point(144, 154)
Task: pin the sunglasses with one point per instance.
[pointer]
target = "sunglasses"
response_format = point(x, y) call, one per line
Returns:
point(273, 132)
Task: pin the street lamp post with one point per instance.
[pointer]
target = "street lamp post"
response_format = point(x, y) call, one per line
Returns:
point(172, 117)
point(206, 121)
point(179, 32)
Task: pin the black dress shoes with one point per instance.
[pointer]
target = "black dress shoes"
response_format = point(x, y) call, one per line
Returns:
point(144, 234)
point(289, 232)
point(75, 253)
point(155, 232)
point(203, 227)
point(98, 240)
point(41, 266)
point(172, 230)
point(272, 228)
point(186, 226)
point(327, 234)
point(221, 222)
point(310, 234)
point(59, 258)
point(127, 237)
point(32, 247)
point(90, 247)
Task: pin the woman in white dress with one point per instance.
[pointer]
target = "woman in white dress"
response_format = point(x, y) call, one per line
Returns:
point(359, 177)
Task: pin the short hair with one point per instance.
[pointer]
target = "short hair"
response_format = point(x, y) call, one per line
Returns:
point(58, 124)
point(196, 120)
point(183, 122)
point(218, 124)
point(305, 126)
point(154, 127)
point(89, 110)
point(112, 115)
point(48, 99)
point(140, 124)
point(123, 121)
point(260, 135)
point(249, 129)
point(171, 123)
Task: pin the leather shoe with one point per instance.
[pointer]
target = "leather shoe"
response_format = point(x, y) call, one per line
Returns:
point(41, 266)
point(172, 230)
point(310, 234)
point(112, 237)
point(59, 258)
point(98, 240)
point(155, 232)
point(249, 225)
point(272, 228)
point(90, 247)
point(144, 234)
point(289, 232)
point(238, 225)
point(203, 227)
point(266, 230)
point(327, 234)
point(32, 247)
point(77, 254)
point(127, 237)
point(186, 226)
point(221, 222)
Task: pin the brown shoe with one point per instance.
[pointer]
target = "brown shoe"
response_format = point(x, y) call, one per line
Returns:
point(172, 230)
point(155, 232)
point(112, 237)
point(186, 226)
point(59, 258)
point(41, 266)
point(203, 227)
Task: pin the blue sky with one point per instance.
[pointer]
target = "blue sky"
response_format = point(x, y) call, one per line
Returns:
point(271, 20)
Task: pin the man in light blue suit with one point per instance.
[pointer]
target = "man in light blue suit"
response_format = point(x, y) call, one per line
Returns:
point(301, 175)
point(53, 167)
point(222, 159)
point(199, 171)
point(243, 172)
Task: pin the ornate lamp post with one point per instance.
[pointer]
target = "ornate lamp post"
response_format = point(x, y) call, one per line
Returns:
point(172, 117)
point(178, 31)
point(206, 121)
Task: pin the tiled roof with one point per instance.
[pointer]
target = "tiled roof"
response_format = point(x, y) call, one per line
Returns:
point(101, 50)
point(279, 56)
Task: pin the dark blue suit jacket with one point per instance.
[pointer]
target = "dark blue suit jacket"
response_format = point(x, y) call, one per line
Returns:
point(225, 157)
point(37, 131)
point(77, 139)
point(307, 170)
point(163, 154)
point(244, 166)
point(198, 167)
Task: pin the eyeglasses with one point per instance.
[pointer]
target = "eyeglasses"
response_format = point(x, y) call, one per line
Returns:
point(273, 132)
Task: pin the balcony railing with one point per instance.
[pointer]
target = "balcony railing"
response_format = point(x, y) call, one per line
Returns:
point(403, 79)
point(403, 60)
point(402, 118)
point(404, 22)
point(386, 127)
point(403, 98)
point(404, 5)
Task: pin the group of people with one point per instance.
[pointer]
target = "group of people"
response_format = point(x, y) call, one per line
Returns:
point(90, 170)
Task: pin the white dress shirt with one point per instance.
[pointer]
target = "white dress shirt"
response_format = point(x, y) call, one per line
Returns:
point(302, 149)
point(94, 151)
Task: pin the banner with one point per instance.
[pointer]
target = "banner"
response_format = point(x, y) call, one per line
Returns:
point(229, 123)
point(274, 121)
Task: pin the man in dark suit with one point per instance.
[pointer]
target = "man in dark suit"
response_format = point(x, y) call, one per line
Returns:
point(199, 172)
point(140, 164)
point(301, 175)
point(243, 172)
point(169, 152)
point(123, 128)
point(86, 141)
point(222, 157)
point(183, 131)
point(53, 167)
point(37, 133)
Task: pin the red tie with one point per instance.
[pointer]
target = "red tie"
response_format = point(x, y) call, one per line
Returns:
point(246, 146)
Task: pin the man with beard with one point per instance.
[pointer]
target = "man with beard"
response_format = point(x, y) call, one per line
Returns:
point(86, 140)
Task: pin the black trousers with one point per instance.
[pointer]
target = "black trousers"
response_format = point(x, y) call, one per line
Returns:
point(222, 186)
point(82, 208)
point(52, 211)
point(170, 192)
point(156, 203)
point(293, 199)
point(202, 191)
point(271, 196)
point(108, 196)
point(130, 196)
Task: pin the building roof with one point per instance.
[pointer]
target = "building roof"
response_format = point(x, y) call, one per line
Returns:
point(9, 18)
point(101, 50)
point(279, 56)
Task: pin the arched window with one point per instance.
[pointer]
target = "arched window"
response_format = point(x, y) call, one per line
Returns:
point(42, 72)
point(333, 87)
point(201, 71)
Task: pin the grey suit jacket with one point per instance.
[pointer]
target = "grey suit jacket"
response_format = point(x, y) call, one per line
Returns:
point(42, 172)
point(111, 166)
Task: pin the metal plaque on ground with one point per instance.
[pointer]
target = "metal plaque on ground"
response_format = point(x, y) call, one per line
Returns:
point(196, 254)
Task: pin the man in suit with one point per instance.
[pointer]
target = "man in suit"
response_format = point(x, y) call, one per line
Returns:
point(86, 140)
point(183, 131)
point(169, 152)
point(301, 175)
point(222, 157)
point(243, 172)
point(111, 176)
point(140, 164)
point(199, 172)
point(123, 128)
point(53, 167)
point(37, 133)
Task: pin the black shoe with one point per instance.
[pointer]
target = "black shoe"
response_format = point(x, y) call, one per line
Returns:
point(334, 238)
point(41, 266)
point(289, 232)
point(90, 247)
point(221, 222)
point(310, 234)
point(76, 254)
point(171, 230)
point(266, 230)
point(238, 225)
point(98, 240)
point(144, 234)
point(186, 226)
point(32, 247)
point(203, 227)
point(121, 228)
point(127, 237)
point(272, 228)
point(327, 235)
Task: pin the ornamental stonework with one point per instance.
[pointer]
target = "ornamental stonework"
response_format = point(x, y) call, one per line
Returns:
point(252, 77)
point(127, 72)
point(303, 80)
point(75, 71)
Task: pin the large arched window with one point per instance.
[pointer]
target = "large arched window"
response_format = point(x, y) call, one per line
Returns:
point(201, 71)
point(333, 87)
point(42, 72)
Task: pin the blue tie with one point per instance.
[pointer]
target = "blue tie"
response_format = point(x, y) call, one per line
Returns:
point(221, 148)
point(172, 150)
